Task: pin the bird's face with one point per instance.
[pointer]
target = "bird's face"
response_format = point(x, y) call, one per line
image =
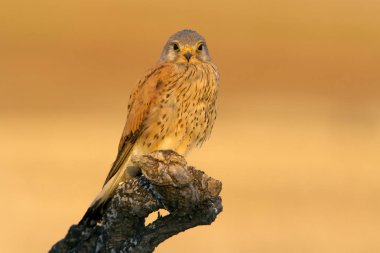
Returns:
point(185, 47)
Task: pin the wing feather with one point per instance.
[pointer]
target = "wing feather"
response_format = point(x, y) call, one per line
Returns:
point(141, 99)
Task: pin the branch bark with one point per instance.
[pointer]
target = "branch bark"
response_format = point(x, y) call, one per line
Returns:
point(166, 182)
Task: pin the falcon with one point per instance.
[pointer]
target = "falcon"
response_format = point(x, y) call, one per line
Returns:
point(172, 107)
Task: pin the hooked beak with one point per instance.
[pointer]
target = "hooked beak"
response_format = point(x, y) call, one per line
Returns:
point(188, 55)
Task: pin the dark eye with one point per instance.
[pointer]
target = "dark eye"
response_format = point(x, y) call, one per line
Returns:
point(175, 47)
point(200, 47)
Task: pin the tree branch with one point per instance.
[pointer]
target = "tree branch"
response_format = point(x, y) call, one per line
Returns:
point(191, 197)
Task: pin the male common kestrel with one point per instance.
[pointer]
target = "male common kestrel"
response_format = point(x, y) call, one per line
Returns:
point(172, 107)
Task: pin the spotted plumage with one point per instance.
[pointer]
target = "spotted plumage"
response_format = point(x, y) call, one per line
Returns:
point(172, 107)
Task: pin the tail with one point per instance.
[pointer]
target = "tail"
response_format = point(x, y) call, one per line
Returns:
point(93, 214)
point(117, 174)
point(97, 207)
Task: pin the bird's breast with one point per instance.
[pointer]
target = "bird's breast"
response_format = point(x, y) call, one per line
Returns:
point(184, 112)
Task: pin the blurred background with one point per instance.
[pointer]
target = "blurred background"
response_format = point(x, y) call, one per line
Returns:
point(297, 140)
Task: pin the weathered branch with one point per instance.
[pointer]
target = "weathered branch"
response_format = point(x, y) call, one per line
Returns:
point(191, 197)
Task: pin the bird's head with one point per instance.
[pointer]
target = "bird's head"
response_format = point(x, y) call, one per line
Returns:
point(185, 47)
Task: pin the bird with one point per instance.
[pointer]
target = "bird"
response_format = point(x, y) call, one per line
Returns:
point(173, 107)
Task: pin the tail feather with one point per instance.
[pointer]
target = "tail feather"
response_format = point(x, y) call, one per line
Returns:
point(116, 175)
point(93, 214)
point(96, 210)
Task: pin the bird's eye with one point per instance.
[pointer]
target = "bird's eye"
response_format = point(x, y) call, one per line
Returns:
point(175, 47)
point(200, 47)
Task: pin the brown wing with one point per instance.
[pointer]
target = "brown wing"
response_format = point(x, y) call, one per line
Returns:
point(141, 98)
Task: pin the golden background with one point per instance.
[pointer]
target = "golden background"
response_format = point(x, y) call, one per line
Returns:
point(296, 143)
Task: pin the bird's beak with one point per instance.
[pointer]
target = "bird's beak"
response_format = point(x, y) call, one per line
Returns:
point(187, 53)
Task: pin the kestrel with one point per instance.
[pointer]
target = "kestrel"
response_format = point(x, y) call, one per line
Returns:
point(172, 107)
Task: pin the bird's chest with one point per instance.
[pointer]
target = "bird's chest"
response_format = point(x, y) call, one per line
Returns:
point(193, 113)
point(184, 114)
